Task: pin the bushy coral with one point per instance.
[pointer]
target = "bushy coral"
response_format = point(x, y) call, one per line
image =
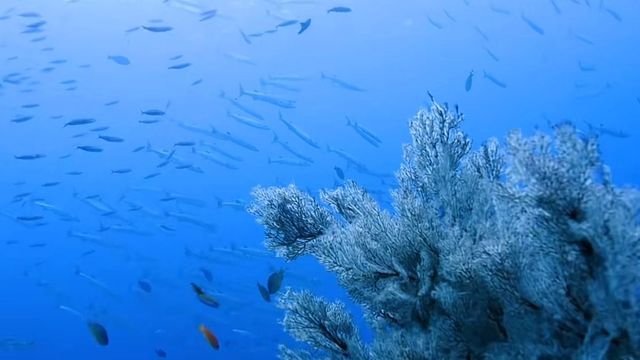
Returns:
point(526, 252)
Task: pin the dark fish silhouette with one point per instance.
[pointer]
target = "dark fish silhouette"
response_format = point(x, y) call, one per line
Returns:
point(90, 148)
point(99, 333)
point(158, 28)
point(119, 59)
point(144, 286)
point(339, 9)
point(304, 26)
point(264, 292)
point(204, 297)
point(275, 281)
point(469, 82)
point(179, 66)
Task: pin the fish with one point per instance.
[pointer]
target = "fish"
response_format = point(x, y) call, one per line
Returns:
point(586, 68)
point(89, 148)
point(499, 10)
point(158, 28)
point(144, 286)
point(11, 344)
point(149, 121)
point(367, 135)
point(119, 59)
point(152, 112)
point(613, 14)
point(190, 219)
point(435, 24)
point(62, 214)
point(535, 27)
point(206, 15)
point(207, 274)
point(245, 37)
point(99, 333)
point(76, 122)
point(469, 82)
point(481, 33)
point(227, 136)
point(151, 176)
point(242, 107)
point(179, 66)
point(29, 156)
point(216, 149)
point(298, 132)
point(556, 8)
point(339, 172)
point(340, 83)
point(291, 150)
point(211, 157)
point(74, 173)
point(264, 292)
point(601, 130)
point(111, 103)
point(287, 23)
point(234, 204)
point(339, 9)
point(209, 336)
point(266, 82)
point(494, 80)
point(197, 82)
point(492, 55)
point(160, 353)
point(244, 59)
point(254, 123)
point(112, 139)
point(584, 39)
point(184, 143)
point(29, 218)
point(21, 119)
point(274, 282)
point(287, 161)
point(138, 149)
point(100, 128)
point(30, 106)
point(51, 184)
point(30, 14)
point(267, 98)
point(304, 25)
point(204, 297)
point(448, 15)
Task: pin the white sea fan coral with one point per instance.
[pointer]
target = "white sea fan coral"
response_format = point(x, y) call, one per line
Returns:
point(527, 253)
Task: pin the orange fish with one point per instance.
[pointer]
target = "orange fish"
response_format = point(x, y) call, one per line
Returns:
point(212, 339)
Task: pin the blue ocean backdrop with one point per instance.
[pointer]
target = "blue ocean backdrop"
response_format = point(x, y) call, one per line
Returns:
point(132, 133)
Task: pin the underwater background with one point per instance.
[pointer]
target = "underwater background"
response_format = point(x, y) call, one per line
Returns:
point(132, 132)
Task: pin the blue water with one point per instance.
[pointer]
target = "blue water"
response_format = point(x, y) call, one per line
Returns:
point(577, 61)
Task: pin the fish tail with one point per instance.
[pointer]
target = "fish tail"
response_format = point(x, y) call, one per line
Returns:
point(275, 138)
point(242, 92)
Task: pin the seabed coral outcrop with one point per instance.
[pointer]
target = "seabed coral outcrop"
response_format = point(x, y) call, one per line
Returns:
point(522, 251)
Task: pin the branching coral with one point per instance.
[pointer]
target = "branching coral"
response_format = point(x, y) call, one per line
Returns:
point(530, 252)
